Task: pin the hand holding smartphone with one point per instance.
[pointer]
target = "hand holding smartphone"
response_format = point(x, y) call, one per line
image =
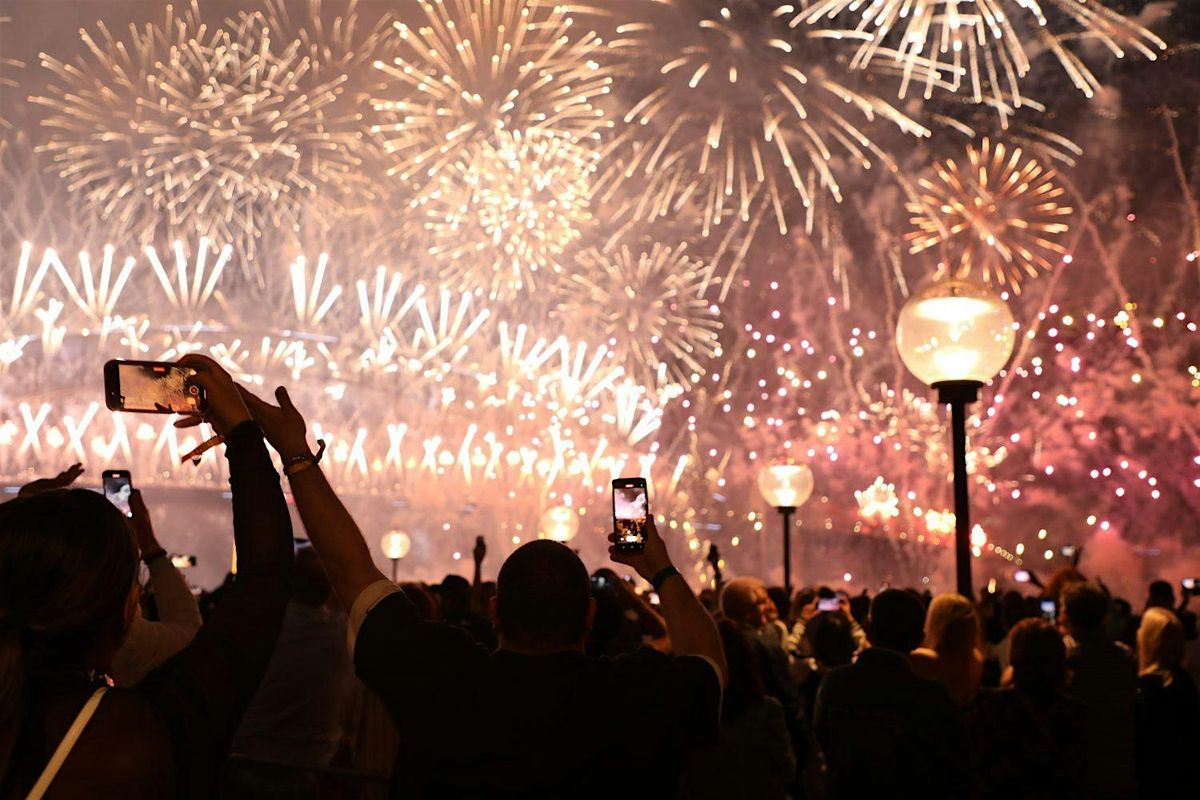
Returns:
point(631, 508)
point(151, 387)
point(118, 486)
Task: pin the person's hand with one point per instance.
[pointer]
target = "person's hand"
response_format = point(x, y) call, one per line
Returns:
point(60, 481)
point(480, 549)
point(283, 425)
point(809, 611)
point(139, 520)
point(652, 560)
point(225, 409)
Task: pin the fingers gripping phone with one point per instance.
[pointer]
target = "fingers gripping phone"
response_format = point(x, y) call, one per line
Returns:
point(151, 387)
point(117, 487)
point(631, 510)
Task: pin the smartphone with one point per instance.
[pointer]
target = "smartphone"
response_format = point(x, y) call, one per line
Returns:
point(599, 582)
point(117, 488)
point(180, 561)
point(653, 598)
point(1049, 610)
point(1190, 585)
point(151, 387)
point(631, 509)
point(1021, 576)
point(829, 604)
point(1068, 551)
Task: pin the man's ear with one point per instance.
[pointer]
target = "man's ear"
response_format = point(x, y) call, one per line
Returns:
point(494, 613)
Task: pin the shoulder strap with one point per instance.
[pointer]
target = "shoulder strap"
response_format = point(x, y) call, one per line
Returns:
point(67, 744)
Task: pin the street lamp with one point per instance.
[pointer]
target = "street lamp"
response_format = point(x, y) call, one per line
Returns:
point(955, 335)
point(786, 485)
point(559, 523)
point(395, 545)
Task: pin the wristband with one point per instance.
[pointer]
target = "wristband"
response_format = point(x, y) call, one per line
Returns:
point(300, 463)
point(661, 576)
point(152, 556)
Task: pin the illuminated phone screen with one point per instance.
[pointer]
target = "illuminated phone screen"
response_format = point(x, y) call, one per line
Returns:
point(630, 506)
point(117, 488)
point(157, 388)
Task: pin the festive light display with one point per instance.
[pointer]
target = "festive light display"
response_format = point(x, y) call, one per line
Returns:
point(476, 67)
point(738, 108)
point(503, 251)
point(998, 215)
point(508, 210)
point(652, 309)
point(183, 129)
point(985, 45)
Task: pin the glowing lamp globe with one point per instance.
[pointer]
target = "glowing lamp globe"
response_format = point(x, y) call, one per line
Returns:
point(955, 331)
point(785, 484)
point(559, 523)
point(395, 544)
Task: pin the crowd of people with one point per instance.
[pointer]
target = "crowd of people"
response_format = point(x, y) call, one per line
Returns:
point(311, 674)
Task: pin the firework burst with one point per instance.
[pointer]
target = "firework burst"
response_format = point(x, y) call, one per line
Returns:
point(998, 215)
point(481, 67)
point(982, 44)
point(216, 132)
point(503, 213)
point(738, 105)
point(649, 305)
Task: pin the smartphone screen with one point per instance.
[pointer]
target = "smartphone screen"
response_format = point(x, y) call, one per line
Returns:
point(1049, 610)
point(117, 488)
point(151, 387)
point(1021, 576)
point(828, 604)
point(631, 506)
point(180, 561)
point(1190, 584)
point(1067, 551)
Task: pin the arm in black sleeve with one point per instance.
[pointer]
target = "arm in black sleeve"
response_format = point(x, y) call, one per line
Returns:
point(201, 693)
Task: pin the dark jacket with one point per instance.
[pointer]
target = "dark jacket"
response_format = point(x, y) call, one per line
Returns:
point(885, 732)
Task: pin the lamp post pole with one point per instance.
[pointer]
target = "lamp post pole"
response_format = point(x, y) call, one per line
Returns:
point(957, 394)
point(786, 512)
point(395, 569)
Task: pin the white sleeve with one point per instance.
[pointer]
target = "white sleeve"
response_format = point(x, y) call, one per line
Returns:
point(367, 599)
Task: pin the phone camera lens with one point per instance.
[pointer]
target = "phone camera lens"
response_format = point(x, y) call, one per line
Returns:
point(193, 390)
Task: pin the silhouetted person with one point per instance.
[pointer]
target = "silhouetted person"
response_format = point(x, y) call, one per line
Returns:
point(753, 759)
point(68, 590)
point(1027, 737)
point(296, 714)
point(536, 717)
point(884, 731)
point(1104, 677)
point(951, 653)
point(1168, 708)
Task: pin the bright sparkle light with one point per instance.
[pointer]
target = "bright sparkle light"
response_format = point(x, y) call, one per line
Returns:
point(985, 46)
point(740, 109)
point(184, 129)
point(476, 68)
point(997, 215)
point(651, 304)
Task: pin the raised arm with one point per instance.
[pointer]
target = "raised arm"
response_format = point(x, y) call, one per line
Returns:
point(332, 530)
point(202, 692)
point(149, 644)
point(692, 630)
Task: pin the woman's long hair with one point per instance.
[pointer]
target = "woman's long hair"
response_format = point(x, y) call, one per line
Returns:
point(68, 562)
point(952, 626)
point(745, 684)
point(1160, 642)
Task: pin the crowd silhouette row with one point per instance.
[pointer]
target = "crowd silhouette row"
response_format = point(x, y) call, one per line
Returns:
point(311, 674)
